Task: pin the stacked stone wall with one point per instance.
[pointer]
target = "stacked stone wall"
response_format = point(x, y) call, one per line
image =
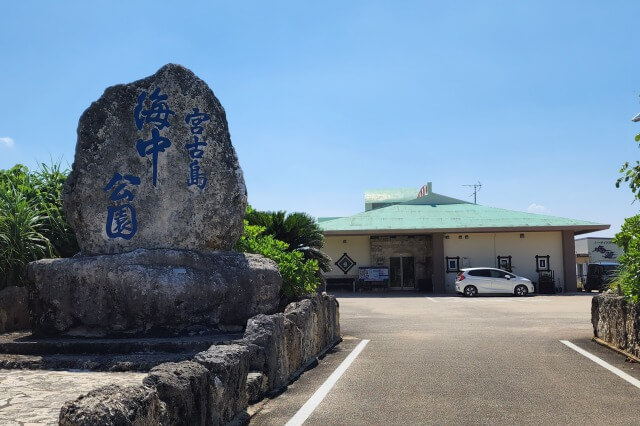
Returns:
point(212, 388)
point(617, 322)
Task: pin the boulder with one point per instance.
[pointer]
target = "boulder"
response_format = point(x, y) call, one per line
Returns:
point(608, 317)
point(14, 309)
point(154, 168)
point(616, 321)
point(150, 292)
point(301, 334)
point(264, 337)
point(115, 405)
point(184, 387)
point(229, 367)
point(332, 316)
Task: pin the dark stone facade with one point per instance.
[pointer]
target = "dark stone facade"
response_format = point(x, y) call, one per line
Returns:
point(420, 247)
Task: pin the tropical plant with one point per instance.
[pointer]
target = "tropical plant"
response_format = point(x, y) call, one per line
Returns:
point(299, 276)
point(627, 278)
point(299, 230)
point(631, 174)
point(50, 183)
point(22, 239)
point(32, 222)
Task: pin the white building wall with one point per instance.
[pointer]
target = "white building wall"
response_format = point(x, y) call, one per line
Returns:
point(356, 247)
point(482, 249)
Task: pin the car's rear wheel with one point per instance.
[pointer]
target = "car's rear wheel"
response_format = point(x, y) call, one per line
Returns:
point(470, 291)
point(521, 291)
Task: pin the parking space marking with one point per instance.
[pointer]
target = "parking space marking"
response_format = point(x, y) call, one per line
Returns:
point(635, 382)
point(433, 300)
point(305, 411)
point(489, 299)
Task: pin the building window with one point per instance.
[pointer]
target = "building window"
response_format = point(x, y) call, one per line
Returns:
point(453, 264)
point(504, 263)
point(542, 263)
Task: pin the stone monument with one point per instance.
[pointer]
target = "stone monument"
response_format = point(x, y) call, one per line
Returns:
point(156, 198)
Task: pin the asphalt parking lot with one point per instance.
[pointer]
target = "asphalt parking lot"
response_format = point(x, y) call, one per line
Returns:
point(454, 360)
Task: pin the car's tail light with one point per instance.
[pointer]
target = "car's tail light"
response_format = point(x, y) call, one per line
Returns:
point(460, 276)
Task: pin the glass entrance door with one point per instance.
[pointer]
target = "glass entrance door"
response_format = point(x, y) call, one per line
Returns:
point(402, 273)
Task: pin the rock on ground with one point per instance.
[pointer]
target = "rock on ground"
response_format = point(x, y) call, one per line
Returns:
point(115, 405)
point(184, 387)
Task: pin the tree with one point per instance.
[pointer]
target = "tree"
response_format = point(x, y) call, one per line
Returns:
point(299, 230)
point(631, 174)
point(628, 277)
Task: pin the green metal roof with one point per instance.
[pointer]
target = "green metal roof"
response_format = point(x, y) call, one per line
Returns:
point(324, 219)
point(411, 217)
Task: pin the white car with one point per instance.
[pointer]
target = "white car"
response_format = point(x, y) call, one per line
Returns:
point(473, 281)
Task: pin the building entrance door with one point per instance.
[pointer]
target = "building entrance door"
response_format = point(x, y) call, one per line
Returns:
point(402, 273)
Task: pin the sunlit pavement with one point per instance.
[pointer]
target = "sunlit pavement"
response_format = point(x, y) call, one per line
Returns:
point(453, 360)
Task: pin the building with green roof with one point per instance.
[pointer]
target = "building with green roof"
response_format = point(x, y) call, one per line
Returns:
point(422, 239)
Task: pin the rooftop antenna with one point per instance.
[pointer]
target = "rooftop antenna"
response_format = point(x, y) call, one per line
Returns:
point(476, 189)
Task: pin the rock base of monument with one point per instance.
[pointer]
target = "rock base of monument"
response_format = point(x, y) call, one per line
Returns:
point(14, 309)
point(150, 293)
point(22, 350)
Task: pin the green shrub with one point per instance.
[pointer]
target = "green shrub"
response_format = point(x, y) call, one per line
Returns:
point(628, 275)
point(627, 278)
point(22, 239)
point(299, 230)
point(299, 276)
point(32, 222)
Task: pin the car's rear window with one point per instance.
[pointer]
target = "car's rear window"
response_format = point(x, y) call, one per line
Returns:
point(480, 273)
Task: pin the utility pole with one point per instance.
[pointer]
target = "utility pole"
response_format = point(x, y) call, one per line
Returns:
point(476, 189)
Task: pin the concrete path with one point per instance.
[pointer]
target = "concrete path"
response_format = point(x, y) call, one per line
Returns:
point(30, 397)
point(453, 360)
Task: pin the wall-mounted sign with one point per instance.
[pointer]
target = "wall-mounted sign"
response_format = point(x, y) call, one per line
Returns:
point(603, 251)
point(543, 263)
point(504, 263)
point(373, 274)
point(345, 263)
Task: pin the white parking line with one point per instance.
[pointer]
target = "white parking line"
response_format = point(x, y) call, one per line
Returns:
point(635, 382)
point(491, 299)
point(433, 300)
point(305, 411)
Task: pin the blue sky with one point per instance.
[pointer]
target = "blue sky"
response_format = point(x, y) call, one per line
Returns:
point(327, 99)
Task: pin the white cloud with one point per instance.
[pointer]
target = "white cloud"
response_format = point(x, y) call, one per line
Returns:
point(6, 141)
point(537, 208)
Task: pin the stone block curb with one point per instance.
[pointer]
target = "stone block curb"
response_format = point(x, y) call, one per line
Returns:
point(212, 388)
